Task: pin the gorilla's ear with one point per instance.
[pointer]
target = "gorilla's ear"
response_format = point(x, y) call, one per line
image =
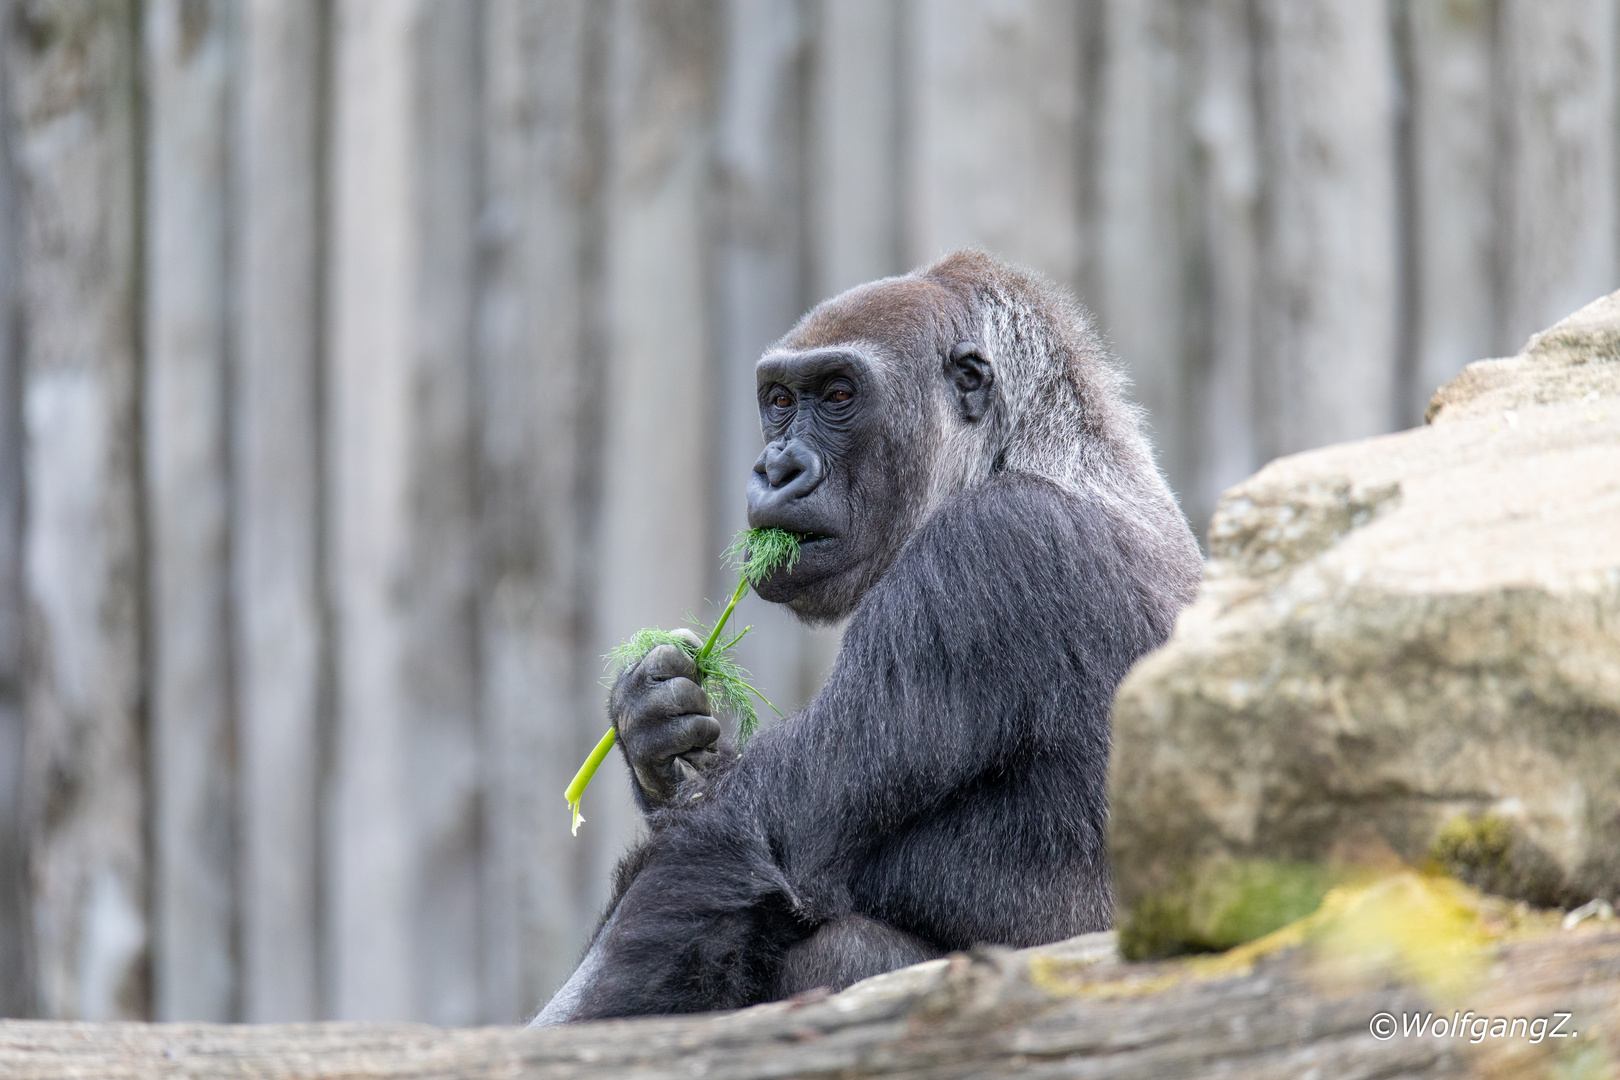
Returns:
point(973, 377)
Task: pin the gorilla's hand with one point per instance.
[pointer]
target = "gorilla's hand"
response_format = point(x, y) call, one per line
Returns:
point(662, 716)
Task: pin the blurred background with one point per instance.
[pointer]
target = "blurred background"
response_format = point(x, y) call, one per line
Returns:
point(369, 367)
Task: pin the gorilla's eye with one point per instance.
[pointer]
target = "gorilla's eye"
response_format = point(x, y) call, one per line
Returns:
point(839, 395)
point(780, 400)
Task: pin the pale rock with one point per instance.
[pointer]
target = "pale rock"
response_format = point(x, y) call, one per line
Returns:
point(1396, 637)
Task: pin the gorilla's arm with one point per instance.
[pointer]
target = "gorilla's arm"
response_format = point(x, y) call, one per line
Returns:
point(948, 781)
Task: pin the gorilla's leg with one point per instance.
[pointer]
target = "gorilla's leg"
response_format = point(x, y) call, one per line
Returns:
point(845, 951)
point(563, 1003)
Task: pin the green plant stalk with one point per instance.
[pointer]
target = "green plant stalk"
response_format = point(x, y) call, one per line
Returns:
point(759, 552)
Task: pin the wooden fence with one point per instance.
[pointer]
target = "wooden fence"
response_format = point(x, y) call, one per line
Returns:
point(368, 367)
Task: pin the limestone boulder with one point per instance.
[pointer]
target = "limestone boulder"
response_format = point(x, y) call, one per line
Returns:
point(1406, 651)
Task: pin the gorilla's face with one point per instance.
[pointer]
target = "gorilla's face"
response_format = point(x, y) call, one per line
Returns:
point(821, 410)
point(852, 405)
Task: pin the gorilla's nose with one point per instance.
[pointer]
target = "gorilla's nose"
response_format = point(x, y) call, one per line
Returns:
point(791, 470)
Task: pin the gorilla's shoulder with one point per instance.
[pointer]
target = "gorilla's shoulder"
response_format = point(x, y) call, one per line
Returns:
point(1035, 573)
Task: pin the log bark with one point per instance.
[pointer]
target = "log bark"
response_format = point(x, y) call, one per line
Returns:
point(1064, 1010)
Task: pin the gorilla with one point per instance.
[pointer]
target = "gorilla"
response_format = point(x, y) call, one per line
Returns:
point(973, 492)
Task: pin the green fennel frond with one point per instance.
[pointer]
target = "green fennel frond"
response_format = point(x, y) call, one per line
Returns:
point(756, 554)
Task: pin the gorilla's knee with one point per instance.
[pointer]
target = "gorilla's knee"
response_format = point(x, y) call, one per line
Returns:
point(845, 951)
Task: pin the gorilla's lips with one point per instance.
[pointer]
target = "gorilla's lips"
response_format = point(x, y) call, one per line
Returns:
point(817, 558)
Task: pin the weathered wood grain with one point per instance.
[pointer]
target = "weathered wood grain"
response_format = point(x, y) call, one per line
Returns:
point(1141, 225)
point(993, 109)
point(16, 991)
point(539, 398)
point(1453, 181)
point(189, 49)
point(278, 596)
point(1223, 254)
point(70, 72)
point(1556, 110)
point(854, 144)
point(1328, 303)
point(403, 851)
point(1050, 1013)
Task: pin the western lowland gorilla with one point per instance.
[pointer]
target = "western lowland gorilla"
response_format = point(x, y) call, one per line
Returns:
point(973, 491)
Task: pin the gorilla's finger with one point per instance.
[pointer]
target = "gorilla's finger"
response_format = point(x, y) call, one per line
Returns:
point(669, 662)
point(680, 735)
point(661, 700)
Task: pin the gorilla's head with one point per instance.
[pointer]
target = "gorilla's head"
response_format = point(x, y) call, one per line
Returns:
point(885, 401)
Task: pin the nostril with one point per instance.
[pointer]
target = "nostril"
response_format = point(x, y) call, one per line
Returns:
point(790, 469)
point(782, 468)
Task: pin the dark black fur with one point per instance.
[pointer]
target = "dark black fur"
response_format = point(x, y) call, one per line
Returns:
point(947, 785)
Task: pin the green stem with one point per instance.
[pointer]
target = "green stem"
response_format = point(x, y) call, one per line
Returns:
point(582, 778)
point(714, 635)
point(576, 788)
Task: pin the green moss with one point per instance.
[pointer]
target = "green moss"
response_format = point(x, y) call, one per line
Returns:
point(1493, 855)
point(1156, 927)
point(1226, 903)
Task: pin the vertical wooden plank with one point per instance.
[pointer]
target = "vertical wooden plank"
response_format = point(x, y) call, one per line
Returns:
point(854, 162)
point(656, 547)
point(539, 366)
point(1556, 71)
point(71, 74)
point(440, 662)
point(16, 960)
point(404, 846)
point(188, 53)
point(278, 603)
point(1325, 354)
point(994, 107)
point(1454, 166)
point(1218, 384)
point(369, 858)
point(762, 262)
point(1140, 228)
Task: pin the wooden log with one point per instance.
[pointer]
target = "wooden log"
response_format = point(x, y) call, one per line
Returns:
point(188, 53)
point(539, 396)
point(403, 853)
point(1065, 1010)
point(71, 90)
point(278, 604)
